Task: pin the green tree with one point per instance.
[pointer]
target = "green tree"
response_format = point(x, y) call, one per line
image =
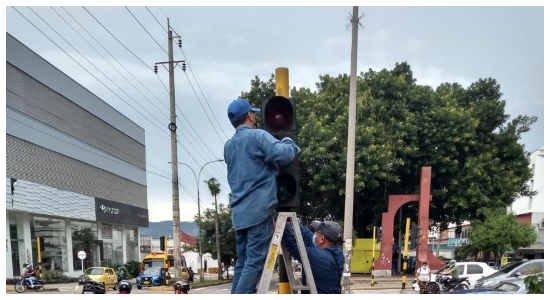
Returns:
point(462, 133)
point(227, 234)
point(214, 187)
point(501, 233)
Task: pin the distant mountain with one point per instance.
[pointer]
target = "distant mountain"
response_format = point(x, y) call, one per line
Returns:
point(158, 229)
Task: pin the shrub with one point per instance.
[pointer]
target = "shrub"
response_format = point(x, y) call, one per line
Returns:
point(534, 283)
point(55, 276)
point(133, 268)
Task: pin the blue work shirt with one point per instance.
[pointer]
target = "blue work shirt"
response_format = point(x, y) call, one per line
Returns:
point(327, 264)
point(253, 158)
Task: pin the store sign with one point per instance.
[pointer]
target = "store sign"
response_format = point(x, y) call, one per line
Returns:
point(457, 242)
point(108, 210)
point(119, 213)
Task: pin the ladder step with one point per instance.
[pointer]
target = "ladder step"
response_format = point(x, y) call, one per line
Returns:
point(273, 252)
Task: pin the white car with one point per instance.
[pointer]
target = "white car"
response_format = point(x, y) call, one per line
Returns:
point(474, 271)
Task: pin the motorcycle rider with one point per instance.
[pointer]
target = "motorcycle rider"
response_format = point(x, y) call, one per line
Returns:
point(124, 287)
point(28, 274)
point(451, 269)
point(120, 274)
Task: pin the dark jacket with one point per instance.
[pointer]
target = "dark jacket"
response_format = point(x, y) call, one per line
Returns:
point(327, 264)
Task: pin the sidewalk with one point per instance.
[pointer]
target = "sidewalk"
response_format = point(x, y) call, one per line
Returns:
point(363, 282)
point(358, 282)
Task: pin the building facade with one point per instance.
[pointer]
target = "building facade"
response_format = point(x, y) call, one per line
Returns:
point(530, 210)
point(75, 171)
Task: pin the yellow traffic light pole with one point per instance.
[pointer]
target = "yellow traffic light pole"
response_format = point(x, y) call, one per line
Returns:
point(373, 245)
point(405, 253)
point(39, 247)
point(282, 89)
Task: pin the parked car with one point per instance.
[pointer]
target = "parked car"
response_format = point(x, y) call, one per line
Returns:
point(509, 286)
point(150, 277)
point(103, 275)
point(492, 265)
point(511, 270)
point(473, 270)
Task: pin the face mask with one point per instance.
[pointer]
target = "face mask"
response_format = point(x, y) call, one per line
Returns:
point(313, 239)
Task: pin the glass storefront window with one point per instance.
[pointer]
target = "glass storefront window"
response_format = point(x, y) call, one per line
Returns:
point(54, 256)
point(112, 245)
point(17, 243)
point(84, 237)
point(132, 253)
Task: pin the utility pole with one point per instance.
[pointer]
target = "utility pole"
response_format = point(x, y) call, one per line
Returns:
point(350, 169)
point(174, 144)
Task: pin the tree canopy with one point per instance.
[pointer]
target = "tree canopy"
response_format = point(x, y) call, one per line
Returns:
point(463, 133)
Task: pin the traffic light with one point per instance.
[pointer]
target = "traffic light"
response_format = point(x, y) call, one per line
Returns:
point(163, 243)
point(279, 120)
point(41, 242)
point(378, 234)
point(415, 235)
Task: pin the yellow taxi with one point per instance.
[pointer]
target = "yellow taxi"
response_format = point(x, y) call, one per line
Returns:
point(105, 276)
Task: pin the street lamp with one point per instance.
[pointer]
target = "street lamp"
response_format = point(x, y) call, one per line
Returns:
point(197, 178)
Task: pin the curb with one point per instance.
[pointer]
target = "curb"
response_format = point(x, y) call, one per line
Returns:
point(12, 289)
point(382, 287)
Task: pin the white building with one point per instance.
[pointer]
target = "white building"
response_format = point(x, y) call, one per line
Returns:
point(531, 209)
point(75, 171)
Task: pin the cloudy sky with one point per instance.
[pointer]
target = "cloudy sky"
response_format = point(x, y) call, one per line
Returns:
point(225, 47)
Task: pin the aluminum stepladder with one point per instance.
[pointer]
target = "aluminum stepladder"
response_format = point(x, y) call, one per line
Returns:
point(273, 255)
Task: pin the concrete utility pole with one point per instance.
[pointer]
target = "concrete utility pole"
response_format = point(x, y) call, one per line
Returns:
point(174, 144)
point(350, 170)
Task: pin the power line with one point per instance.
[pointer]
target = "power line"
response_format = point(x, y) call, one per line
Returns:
point(107, 61)
point(84, 28)
point(100, 72)
point(145, 29)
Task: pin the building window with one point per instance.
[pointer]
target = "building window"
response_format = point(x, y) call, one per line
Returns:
point(18, 255)
point(112, 245)
point(84, 237)
point(132, 253)
point(53, 231)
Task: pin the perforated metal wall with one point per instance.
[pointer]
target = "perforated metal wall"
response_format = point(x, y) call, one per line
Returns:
point(30, 97)
point(30, 162)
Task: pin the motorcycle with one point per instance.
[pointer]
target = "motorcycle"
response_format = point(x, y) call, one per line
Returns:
point(121, 276)
point(24, 283)
point(182, 287)
point(442, 284)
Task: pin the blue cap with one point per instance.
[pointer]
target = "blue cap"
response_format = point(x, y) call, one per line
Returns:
point(238, 108)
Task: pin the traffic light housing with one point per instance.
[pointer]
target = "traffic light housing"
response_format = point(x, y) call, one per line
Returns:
point(279, 120)
point(416, 234)
point(163, 243)
point(41, 246)
point(378, 234)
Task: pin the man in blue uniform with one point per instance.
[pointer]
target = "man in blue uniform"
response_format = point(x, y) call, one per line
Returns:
point(253, 157)
point(325, 257)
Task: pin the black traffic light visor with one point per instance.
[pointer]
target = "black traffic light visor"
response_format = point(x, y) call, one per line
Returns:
point(279, 113)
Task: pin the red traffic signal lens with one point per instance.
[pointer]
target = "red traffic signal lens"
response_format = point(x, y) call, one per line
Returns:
point(286, 188)
point(278, 113)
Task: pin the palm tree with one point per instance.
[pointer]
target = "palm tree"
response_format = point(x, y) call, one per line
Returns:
point(214, 187)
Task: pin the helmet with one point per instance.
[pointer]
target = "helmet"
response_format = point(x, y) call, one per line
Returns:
point(452, 262)
point(82, 279)
point(125, 285)
point(182, 286)
point(92, 287)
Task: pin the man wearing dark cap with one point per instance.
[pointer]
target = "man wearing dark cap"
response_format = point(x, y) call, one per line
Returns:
point(253, 157)
point(325, 257)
